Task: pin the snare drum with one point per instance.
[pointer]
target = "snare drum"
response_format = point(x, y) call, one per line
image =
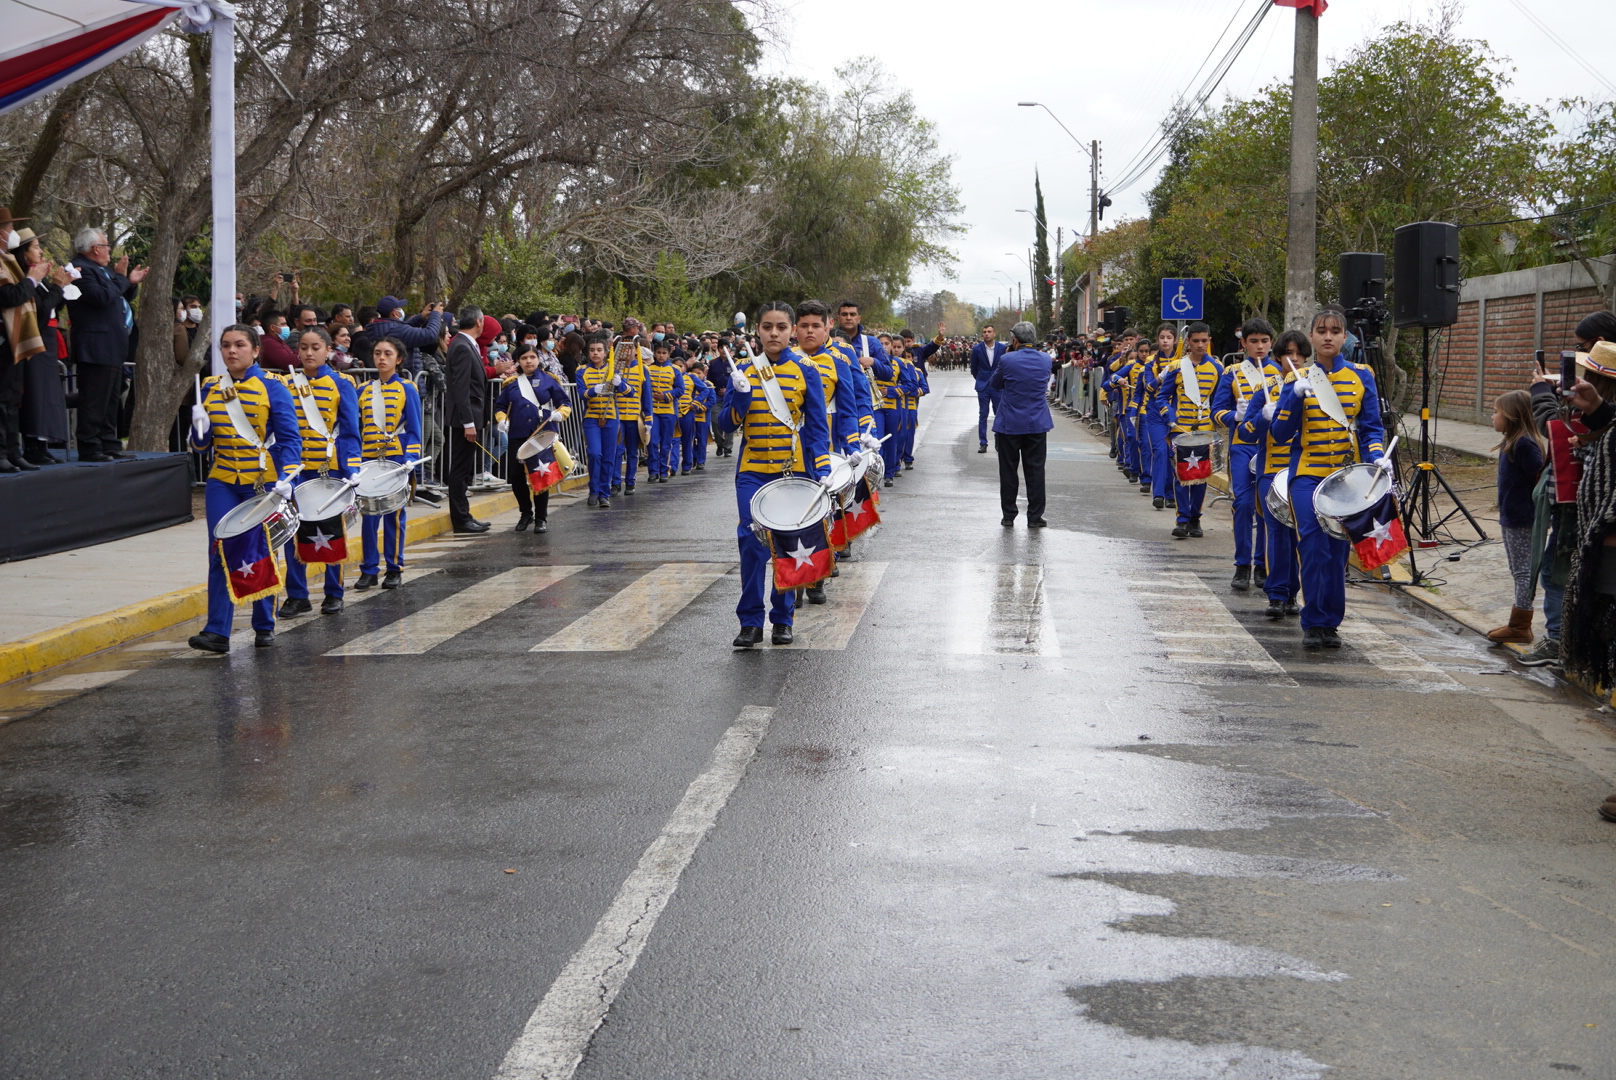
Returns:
point(384, 486)
point(1278, 499)
point(540, 440)
point(326, 497)
point(1192, 456)
point(1346, 492)
point(266, 509)
point(788, 504)
point(842, 477)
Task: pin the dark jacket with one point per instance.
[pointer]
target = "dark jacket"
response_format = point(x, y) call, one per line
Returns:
point(102, 315)
point(1518, 472)
point(464, 375)
point(984, 358)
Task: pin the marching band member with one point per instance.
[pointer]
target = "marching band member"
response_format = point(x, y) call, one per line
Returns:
point(1281, 580)
point(706, 403)
point(1142, 359)
point(328, 423)
point(881, 372)
point(666, 385)
point(784, 431)
point(1184, 395)
point(1153, 434)
point(529, 400)
point(631, 417)
point(1330, 412)
point(390, 430)
point(836, 384)
point(1231, 403)
point(603, 389)
point(918, 355)
point(686, 443)
point(251, 423)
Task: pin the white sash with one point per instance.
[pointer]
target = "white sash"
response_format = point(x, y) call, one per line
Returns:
point(1190, 380)
point(238, 418)
point(1254, 377)
point(311, 412)
point(525, 388)
point(1329, 400)
point(378, 410)
point(772, 394)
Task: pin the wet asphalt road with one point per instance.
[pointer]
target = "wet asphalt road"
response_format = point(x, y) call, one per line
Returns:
point(1062, 806)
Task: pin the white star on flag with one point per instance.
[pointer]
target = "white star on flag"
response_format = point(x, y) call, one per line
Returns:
point(803, 555)
point(321, 541)
point(1382, 531)
point(1192, 460)
point(245, 568)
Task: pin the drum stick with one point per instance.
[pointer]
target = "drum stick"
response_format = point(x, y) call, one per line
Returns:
point(198, 377)
point(1392, 448)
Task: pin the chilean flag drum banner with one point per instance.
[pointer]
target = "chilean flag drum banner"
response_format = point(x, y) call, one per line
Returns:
point(802, 557)
point(322, 542)
point(860, 513)
point(249, 565)
point(1192, 458)
point(1376, 534)
point(543, 471)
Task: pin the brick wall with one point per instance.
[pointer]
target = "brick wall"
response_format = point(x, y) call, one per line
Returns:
point(1503, 320)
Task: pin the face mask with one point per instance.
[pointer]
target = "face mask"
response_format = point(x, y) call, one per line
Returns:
point(531, 341)
point(286, 332)
point(550, 345)
point(194, 314)
point(240, 304)
point(658, 336)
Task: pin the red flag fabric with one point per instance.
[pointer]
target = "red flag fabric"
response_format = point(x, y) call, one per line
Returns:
point(1316, 6)
point(861, 514)
point(543, 472)
point(1376, 534)
point(249, 565)
point(1193, 462)
point(802, 557)
point(321, 542)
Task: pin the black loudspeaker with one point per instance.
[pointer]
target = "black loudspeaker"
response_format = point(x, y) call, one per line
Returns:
point(1426, 261)
point(1363, 277)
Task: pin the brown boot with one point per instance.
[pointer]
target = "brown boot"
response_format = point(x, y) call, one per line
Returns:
point(1519, 628)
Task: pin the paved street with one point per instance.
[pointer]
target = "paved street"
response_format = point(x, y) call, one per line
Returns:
point(1018, 804)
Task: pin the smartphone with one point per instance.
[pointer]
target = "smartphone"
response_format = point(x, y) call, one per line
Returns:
point(1568, 370)
point(1541, 359)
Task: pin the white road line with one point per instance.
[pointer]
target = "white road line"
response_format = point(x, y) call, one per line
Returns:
point(84, 680)
point(455, 614)
point(831, 625)
point(1197, 627)
point(558, 1033)
point(1387, 653)
point(1002, 609)
point(241, 634)
point(635, 613)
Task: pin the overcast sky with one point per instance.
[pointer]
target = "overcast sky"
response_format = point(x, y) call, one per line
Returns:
point(968, 63)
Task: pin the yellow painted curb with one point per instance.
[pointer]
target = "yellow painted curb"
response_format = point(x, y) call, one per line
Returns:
point(74, 640)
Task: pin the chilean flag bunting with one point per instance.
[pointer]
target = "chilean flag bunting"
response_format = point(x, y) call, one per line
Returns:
point(249, 565)
point(802, 557)
point(322, 542)
point(1193, 461)
point(861, 512)
point(1377, 535)
point(543, 471)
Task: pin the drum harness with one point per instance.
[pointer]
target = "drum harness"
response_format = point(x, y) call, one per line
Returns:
point(238, 418)
point(311, 412)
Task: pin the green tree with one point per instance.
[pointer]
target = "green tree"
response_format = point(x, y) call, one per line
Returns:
point(1043, 291)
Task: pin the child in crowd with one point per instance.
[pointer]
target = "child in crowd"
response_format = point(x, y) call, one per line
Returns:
point(1520, 462)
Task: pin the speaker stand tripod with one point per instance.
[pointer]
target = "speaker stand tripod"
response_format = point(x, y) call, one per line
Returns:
point(1420, 523)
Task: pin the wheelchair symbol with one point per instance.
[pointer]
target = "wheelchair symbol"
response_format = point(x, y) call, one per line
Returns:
point(1181, 303)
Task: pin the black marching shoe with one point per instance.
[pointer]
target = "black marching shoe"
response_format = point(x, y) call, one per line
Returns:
point(41, 457)
point(1008, 522)
point(393, 579)
point(8, 467)
point(781, 635)
point(982, 449)
point(816, 593)
point(471, 525)
point(94, 456)
point(1292, 607)
point(1259, 577)
point(208, 641)
point(292, 607)
point(1332, 640)
point(1158, 502)
point(22, 463)
point(605, 504)
point(366, 581)
point(684, 472)
point(1181, 530)
point(702, 467)
point(1195, 529)
point(595, 501)
point(1313, 637)
point(331, 605)
point(544, 526)
point(617, 489)
point(748, 637)
point(524, 522)
point(1132, 478)
point(1144, 489)
point(1276, 610)
point(887, 482)
point(909, 465)
point(263, 639)
point(1037, 523)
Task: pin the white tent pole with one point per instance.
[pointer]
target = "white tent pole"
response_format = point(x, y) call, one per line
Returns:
point(222, 98)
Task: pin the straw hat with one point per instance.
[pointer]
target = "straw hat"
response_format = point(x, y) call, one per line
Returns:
point(1602, 358)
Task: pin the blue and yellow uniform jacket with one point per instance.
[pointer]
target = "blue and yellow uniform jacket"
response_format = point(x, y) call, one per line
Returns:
point(522, 414)
point(337, 398)
point(1149, 406)
point(841, 398)
point(399, 406)
point(863, 391)
point(601, 402)
point(1180, 409)
point(1234, 388)
point(634, 403)
point(1275, 454)
point(664, 379)
point(704, 398)
point(768, 446)
point(1319, 445)
point(273, 418)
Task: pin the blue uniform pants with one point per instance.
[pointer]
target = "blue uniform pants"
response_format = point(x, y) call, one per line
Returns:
point(389, 529)
point(1243, 489)
point(889, 422)
point(1134, 446)
point(755, 560)
point(220, 498)
point(703, 427)
point(297, 576)
point(911, 421)
point(1282, 583)
point(687, 443)
point(1323, 559)
point(627, 464)
point(602, 449)
point(1159, 453)
point(1188, 500)
point(662, 449)
point(986, 399)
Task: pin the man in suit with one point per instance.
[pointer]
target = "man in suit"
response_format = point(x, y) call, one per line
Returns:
point(463, 411)
point(985, 356)
point(103, 316)
point(1021, 423)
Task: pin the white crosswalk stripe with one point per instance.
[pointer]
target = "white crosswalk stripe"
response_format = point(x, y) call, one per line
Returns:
point(1387, 653)
point(1001, 609)
point(432, 626)
point(831, 625)
point(627, 619)
point(1188, 618)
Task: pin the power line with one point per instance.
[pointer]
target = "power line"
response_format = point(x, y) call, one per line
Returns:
point(1567, 49)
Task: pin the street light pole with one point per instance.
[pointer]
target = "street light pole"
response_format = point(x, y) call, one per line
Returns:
point(1093, 151)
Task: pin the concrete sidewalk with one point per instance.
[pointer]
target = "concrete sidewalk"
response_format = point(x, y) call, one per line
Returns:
point(66, 606)
point(1453, 435)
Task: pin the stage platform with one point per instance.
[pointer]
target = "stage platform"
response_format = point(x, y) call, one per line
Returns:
point(73, 505)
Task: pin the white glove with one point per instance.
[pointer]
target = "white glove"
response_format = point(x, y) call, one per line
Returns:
point(868, 441)
point(283, 488)
point(1268, 411)
point(1302, 386)
point(1384, 464)
point(504, 427)
point(1240, 409)
point(739, 382)
point(597, 390)
point(201, 422)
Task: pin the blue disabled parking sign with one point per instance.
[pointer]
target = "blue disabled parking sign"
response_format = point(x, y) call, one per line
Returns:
point(1181, 298)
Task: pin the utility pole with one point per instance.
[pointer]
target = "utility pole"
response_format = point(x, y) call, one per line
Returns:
point(1060, 295)
point(1301, 239)
point(1090, 310)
